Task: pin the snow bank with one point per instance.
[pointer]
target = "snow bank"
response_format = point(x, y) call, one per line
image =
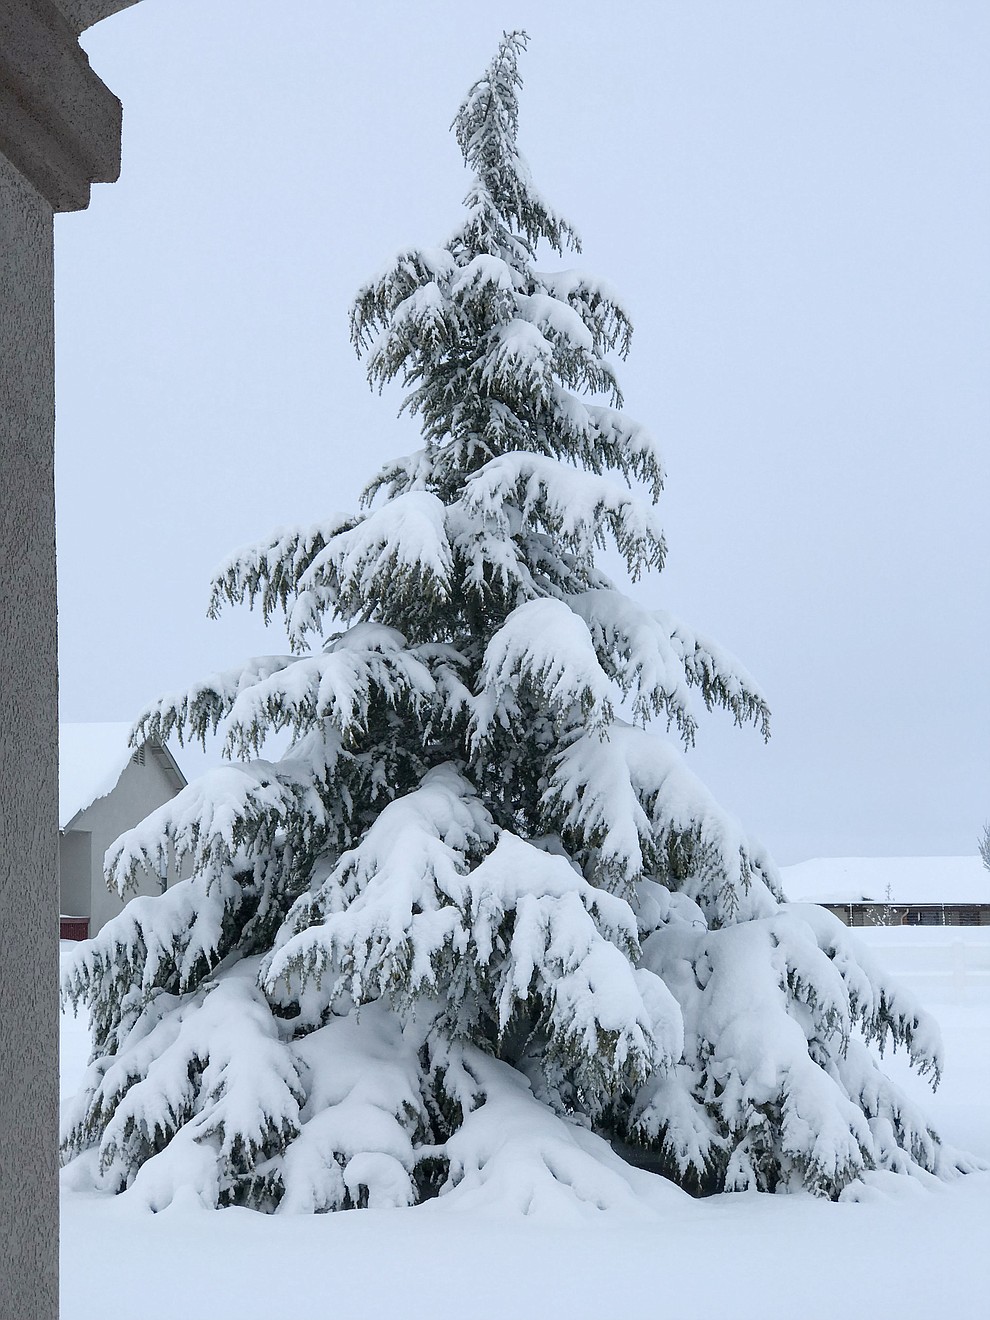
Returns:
point(907, 1256)
point(909, 1252)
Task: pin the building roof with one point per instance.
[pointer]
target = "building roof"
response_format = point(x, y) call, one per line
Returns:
point(91, 759)
point(913, 880)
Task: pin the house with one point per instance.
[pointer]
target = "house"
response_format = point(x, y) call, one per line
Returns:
point(894, 891)
point(104, 788)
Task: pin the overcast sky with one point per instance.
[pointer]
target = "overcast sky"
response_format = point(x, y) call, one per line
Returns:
point(792, 199)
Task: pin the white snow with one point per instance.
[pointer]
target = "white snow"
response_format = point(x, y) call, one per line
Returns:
point(909, 1249)
point(571, 504)
point(406, 535)
point(549, 645)
point(911, 880)
point(91, 758)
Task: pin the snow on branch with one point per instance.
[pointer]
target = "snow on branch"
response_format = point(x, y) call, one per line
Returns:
point(368, 664)
point(512, 1155)
point(215, 1067)
point(628, 806)
point(486, 280)
point(570, 948)
point(411, 472)
point(774, 1087)
point(395, 291)
point(364, 1124)
point(207, 820)
point(271, 569)
point(722, 679)
point(544, 646)
point(406, 915)
point(491, 564)
point(637, 652)
point(610, 439)
point(573, 506)
point(396, 555)
point(416, 844)
point(156, 944)
point(229, 814)
point(886, 1012)
point(202, 708)
point(596, 303)
point(524, 364)
point(486, 126)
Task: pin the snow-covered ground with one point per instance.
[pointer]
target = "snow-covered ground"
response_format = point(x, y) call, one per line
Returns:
point(904, 1250)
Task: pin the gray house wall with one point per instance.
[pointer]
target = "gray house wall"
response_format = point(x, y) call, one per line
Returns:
point(75, 873)
point(867, 913)
point(140, 789)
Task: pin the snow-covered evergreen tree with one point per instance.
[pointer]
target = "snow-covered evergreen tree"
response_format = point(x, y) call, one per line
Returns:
point(478, 929)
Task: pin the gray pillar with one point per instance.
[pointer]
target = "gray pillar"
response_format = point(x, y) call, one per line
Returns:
point(28, 742)
point(59, 131)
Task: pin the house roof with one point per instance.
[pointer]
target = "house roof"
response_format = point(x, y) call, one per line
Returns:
point(91, 758)
point(865, 879)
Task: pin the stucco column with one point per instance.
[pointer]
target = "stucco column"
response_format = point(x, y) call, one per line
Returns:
point(59, 131)
point(28, 742)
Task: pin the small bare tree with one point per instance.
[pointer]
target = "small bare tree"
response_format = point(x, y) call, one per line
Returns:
point(985, 846)
point(884, 915)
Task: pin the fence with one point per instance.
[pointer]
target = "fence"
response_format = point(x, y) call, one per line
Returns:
point(946, 957)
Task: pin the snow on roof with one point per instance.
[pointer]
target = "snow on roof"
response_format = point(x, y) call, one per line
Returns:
point(91, 758)
point(911, 880)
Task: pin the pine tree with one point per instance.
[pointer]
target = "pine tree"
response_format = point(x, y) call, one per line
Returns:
point(478, 929)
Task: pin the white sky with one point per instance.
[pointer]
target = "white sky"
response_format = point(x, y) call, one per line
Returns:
point(793, 200)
